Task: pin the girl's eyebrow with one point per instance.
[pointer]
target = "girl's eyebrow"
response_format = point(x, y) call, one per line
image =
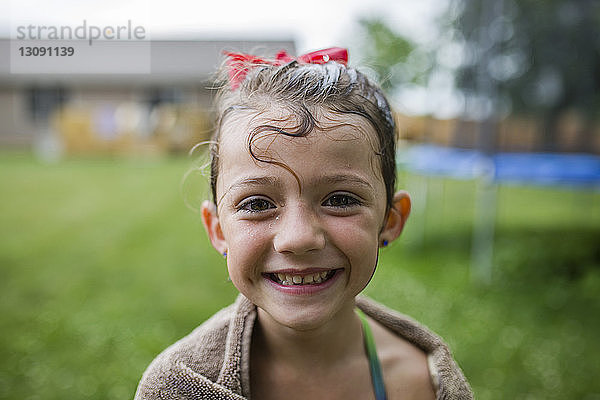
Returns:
point(254, 181)
point(344, 178)
point(323, 180)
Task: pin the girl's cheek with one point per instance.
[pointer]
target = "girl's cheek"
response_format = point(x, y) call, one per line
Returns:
point(247, 238)
point(251, 231)
point(359, 231)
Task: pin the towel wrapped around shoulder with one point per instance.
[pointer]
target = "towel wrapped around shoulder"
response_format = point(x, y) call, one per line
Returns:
point(212, 362)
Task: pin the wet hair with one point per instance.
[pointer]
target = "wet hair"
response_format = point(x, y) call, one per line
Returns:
point(305, 90)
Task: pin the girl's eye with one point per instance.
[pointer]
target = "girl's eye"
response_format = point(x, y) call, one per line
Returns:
point(256, 205)
point(341, 201)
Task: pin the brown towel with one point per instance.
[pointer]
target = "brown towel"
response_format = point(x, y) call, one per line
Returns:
point(213, 361)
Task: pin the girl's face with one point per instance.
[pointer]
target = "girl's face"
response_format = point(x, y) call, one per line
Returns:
point(301, 239)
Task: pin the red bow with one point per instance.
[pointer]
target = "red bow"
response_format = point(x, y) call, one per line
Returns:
point(239, 63)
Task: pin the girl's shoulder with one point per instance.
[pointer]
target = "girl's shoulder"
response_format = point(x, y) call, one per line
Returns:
point(404, 341)
point(193, 362)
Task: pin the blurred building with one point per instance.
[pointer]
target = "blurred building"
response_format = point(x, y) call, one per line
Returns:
point(165, 109)
point(168, 107)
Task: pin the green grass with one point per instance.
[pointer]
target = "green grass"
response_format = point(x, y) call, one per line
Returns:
point(102, 266)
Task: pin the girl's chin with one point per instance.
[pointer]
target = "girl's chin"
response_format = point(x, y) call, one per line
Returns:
point(303, 318)
point(299, 322)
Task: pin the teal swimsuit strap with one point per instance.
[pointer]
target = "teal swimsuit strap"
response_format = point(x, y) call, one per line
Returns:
point(374, 365)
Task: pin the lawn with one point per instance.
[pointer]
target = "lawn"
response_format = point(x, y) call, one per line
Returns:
point(102, 266)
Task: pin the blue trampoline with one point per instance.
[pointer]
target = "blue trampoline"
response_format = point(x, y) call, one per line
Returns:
point(526, 168)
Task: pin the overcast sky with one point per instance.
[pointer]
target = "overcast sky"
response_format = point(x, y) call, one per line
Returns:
point(312, 23)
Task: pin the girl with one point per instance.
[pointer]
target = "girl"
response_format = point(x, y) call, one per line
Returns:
point(303, 179)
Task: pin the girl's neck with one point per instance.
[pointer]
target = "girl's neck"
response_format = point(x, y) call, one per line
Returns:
point(327, 345)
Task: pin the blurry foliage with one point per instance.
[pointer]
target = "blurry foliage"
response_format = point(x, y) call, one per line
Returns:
point(396, 59)
point(540, 57)
point(532, 57)
point(544, 54)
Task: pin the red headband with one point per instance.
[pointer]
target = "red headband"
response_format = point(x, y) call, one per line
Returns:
point(239, 63)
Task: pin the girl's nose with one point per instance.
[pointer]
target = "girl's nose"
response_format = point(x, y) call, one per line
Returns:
point(298, 231)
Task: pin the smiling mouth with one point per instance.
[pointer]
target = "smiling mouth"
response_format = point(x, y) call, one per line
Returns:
point(288, 279)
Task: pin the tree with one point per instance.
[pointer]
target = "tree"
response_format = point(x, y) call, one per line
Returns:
point(392, 56)
point(541, 57)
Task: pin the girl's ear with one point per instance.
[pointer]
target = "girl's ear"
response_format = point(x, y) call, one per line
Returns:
point(396, 217)
point(211, 223)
